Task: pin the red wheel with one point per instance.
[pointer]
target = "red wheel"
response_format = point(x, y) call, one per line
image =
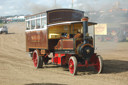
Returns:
point(37, 60)
point(73, 65)
point(99, 64)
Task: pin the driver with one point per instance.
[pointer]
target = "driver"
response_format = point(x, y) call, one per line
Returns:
point(79, 34)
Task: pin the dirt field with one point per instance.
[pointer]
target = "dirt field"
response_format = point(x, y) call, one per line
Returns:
point(16, 67)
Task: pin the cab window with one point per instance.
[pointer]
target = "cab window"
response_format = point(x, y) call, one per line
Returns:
point(38, 24)
point(28, 25)
point(43, 22)
point(33, 24)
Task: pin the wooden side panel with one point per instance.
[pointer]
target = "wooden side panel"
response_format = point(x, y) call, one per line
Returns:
point(36, 39)
point(67, 44)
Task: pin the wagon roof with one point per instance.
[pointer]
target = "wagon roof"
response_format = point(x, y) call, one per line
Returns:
point(72, 22)
point(64, 9)
point(52, 10)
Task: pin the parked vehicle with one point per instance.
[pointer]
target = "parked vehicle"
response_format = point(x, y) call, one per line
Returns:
point(3, 29)
point(63, 32)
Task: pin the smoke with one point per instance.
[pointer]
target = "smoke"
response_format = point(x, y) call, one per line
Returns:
point(34, 8)
point(104, 11)
point(113, 13)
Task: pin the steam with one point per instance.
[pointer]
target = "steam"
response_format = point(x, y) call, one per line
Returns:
point(113, 13)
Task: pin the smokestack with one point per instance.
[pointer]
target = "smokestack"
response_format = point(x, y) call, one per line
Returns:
point(85, 27)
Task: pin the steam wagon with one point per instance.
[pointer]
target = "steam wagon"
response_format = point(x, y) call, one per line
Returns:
point(64, 33)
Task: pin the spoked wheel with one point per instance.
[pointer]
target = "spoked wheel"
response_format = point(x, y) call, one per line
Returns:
point(37, 60)
point(99, 64)
point(73, 65)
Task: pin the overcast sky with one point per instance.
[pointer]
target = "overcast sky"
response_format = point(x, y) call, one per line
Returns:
point(23, 7)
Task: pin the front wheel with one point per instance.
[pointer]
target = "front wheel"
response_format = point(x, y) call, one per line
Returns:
point(73, 65)
point(99, 64)
point(37, 60)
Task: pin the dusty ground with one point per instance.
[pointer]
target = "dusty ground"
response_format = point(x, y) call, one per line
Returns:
point(16, 67)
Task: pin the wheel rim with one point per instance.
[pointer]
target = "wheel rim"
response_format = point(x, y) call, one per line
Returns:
point(71, 66)
point(97, 66)
point(35, 59)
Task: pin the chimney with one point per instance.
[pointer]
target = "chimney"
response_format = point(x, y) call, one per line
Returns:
point(85, 27)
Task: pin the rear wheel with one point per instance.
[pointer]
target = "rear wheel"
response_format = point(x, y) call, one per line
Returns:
point(73, 65)
point(99, 64)
point(37, 60)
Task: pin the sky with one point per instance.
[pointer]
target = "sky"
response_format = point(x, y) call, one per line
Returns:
point(24, 7)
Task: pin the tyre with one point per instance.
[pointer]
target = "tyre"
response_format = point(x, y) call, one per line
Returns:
point(99, 64)
point(37, 60)
point(73, 65)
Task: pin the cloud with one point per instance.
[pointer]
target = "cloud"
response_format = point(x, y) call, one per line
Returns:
point(16, 7)
point(11, 7)
point(1, 7)
point(32, 6)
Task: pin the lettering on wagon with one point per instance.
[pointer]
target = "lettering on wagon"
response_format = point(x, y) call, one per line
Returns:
point(35, 38)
